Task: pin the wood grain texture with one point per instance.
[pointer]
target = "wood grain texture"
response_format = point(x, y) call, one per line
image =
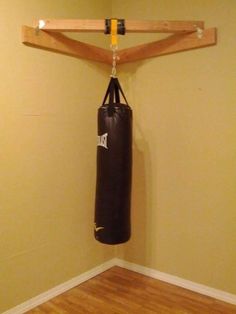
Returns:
point(57, 42)
point(172, 44)
point(136, 26)
point(121, 291)
point(132, 26)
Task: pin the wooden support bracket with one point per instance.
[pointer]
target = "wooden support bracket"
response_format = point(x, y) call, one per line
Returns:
point(57, 42)
point(186, 35)
point(171, 44)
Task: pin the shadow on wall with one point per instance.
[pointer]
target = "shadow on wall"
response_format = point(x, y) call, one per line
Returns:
point(140, 245)
point(140, 242)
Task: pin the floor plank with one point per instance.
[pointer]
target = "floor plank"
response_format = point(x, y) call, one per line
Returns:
point(121, 291)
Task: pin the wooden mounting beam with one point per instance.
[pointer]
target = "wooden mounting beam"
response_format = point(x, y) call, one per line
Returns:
point(172, 44)
point(132, 26)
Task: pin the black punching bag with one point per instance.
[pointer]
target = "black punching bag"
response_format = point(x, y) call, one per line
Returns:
point(114, 167)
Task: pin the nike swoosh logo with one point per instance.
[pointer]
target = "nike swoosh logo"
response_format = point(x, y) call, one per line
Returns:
point(97, 228)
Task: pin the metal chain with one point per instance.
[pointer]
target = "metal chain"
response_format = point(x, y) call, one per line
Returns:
point(114, 60)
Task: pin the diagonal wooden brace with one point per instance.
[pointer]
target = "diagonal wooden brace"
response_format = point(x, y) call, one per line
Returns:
point(57, 42)
point(171, 44)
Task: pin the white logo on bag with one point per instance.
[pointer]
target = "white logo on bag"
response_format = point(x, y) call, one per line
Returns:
point(102, 140)
point(97, 228)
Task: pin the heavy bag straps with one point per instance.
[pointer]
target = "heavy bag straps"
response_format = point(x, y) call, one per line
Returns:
point(122, 93)
point(114, 89)
point(117, 94)
point(107, 92)
point(114, 92)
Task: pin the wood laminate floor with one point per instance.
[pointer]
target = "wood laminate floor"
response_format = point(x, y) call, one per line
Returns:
point(121, 291)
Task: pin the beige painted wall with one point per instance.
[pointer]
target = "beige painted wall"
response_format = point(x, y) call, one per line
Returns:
point(184, 204)
point(47, 154)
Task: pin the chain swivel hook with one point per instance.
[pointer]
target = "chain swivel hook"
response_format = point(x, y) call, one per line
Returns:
point(114, 60)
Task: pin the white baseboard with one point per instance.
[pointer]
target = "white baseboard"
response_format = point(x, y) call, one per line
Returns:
point(177, 281)
point(46, 296)
point(187, 284)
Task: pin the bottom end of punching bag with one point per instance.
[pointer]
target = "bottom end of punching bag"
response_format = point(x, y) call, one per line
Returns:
point(111, 238)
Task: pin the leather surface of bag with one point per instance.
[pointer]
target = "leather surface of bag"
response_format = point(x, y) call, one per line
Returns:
point(114, 168)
